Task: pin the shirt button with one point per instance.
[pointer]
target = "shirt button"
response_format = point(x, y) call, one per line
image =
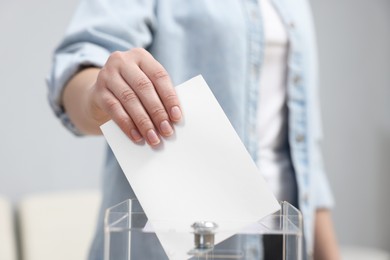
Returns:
point(255, 70)
point(297, 80)
point(252, 131)
point(299, 138)
point(305, 198)
point(254, 15)
point(291, 25)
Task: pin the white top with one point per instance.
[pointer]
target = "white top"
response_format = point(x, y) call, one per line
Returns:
point(273, 159)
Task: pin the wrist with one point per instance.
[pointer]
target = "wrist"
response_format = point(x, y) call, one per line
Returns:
point(78, 102)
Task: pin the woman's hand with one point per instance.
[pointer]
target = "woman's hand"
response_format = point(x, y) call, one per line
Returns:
point(133, 89)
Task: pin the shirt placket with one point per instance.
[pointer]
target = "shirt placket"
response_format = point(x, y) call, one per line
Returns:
point(255, 36)
point(297, 102)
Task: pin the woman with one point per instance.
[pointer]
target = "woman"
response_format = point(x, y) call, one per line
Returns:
point(120, 60)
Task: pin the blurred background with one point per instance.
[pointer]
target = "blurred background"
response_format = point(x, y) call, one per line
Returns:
point(38, 155)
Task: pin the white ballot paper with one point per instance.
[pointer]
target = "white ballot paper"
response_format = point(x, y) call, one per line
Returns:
point(202, 173)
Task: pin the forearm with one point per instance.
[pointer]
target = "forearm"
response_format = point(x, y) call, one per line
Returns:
point(325, 244)
point(76, 102)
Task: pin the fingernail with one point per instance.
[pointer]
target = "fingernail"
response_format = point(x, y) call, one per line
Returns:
point(136, 135)
point(166, 128)
point(152, 137)
point(175, 113)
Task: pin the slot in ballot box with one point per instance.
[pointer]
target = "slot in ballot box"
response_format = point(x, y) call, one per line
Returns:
point(129, 236)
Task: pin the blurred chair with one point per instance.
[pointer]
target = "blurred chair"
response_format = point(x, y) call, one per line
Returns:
point(57, 225)
point(7, 234)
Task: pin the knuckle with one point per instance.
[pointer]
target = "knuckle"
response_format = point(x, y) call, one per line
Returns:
point(111, 104)
point(160, 74)
point(127, 96)
point(117, 57)
point(143, 84)
point(138, 51)
point(158, 113)
point(125, 122)
point(102, 76)
point(170, 98)
point(106, 74)
point(143, 122)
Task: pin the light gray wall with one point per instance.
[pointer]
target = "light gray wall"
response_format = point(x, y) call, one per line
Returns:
point(37, 154)
point(354, 46)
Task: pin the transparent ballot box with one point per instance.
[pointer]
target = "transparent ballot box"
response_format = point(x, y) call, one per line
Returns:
point(129, 236)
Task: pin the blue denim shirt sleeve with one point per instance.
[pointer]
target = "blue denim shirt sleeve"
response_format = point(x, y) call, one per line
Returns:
point(98, 28)
point(322, 194)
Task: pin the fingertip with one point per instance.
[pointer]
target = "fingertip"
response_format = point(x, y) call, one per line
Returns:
point(176, 113)
point(136, 136)
point(152, 137)
point(166, 128)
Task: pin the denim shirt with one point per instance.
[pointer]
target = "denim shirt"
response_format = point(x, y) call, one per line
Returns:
point(222, 40)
